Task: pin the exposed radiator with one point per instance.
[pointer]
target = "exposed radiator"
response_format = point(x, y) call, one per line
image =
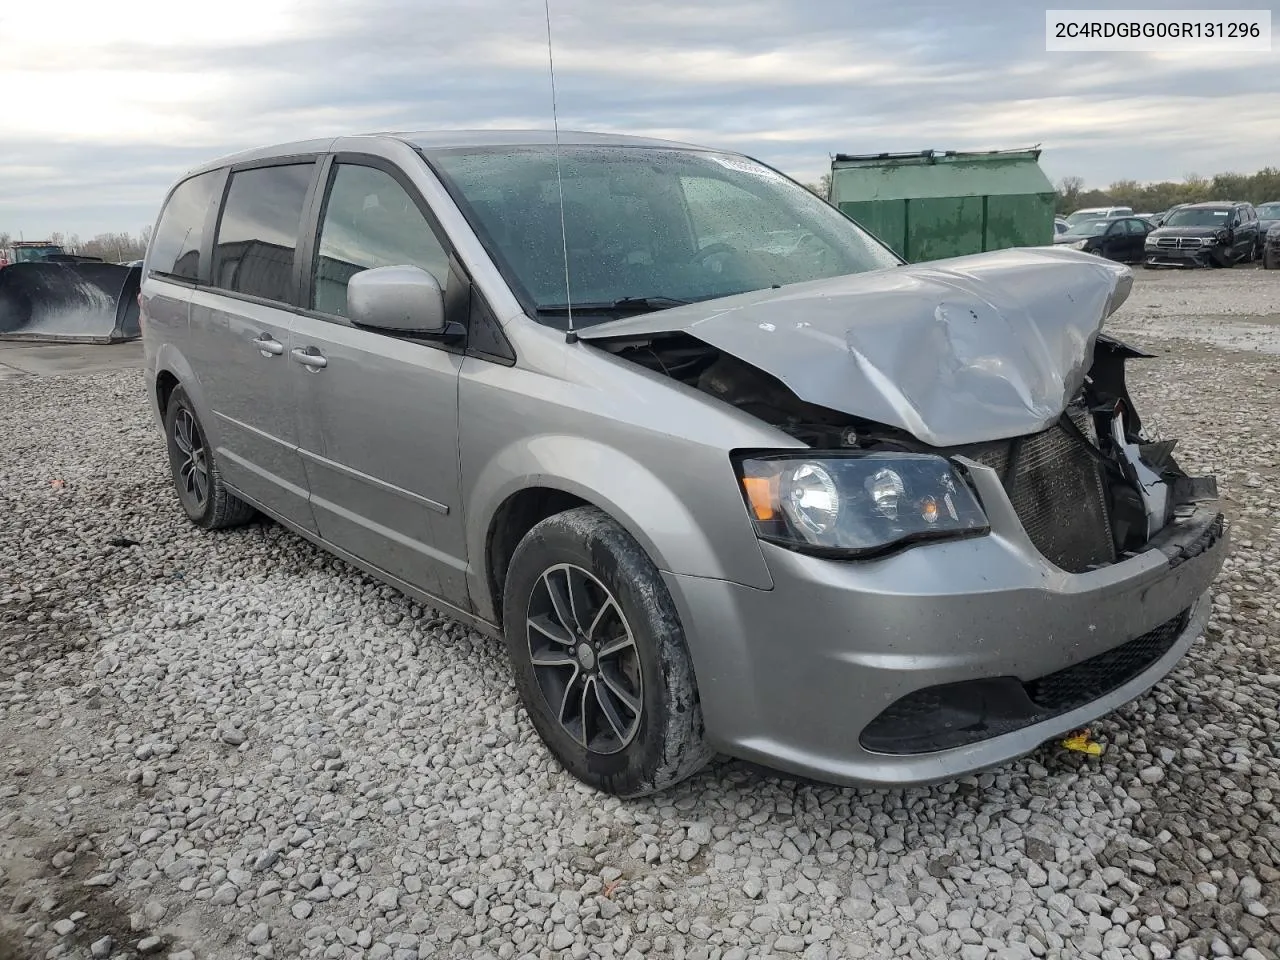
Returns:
point(1058, 491)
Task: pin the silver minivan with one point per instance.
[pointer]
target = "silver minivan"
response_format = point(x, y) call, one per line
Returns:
point(724, 474)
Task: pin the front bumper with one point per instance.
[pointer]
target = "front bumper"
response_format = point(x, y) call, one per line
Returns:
point(792, 678)
point(1179, 257)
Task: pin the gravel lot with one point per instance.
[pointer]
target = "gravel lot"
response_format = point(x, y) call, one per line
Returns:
point(227, 746)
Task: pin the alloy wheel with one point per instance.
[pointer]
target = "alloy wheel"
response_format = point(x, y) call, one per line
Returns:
point(585, 659)
point(193, 469)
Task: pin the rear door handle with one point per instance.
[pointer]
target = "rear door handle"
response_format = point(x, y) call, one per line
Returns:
point(312, 361)
point(268, 346)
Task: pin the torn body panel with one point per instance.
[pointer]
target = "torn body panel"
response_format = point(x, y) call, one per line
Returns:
point(1024, 382)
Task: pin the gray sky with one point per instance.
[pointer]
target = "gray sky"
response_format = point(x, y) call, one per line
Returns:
point(120, 100)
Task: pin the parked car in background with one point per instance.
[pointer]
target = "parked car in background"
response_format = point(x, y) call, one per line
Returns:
point(698, 528)
point(1088, 213)
point(1268, 217)
point(1119, 239)
point(1163, 215)
point(1271, 249)
point(1214, 233)
point(1060, 225)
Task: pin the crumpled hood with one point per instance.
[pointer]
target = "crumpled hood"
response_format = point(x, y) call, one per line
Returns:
point(956, 351)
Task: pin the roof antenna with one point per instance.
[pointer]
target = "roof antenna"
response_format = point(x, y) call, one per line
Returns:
point(571, 336)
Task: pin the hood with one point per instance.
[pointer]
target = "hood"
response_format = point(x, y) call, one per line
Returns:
point(1187, 231)
point(956, 351)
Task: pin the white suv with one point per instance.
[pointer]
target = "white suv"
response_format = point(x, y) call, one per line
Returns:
point(1105, 213)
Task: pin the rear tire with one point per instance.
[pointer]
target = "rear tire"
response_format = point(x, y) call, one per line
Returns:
point(194, 467)
point(599, 656)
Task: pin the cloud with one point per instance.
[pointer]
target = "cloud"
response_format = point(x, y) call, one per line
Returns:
point(118, 106)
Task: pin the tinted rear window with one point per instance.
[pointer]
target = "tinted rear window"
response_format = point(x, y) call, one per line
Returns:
point(180, 233)
point(259, 230)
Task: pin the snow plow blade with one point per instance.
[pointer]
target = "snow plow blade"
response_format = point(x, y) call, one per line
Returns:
point(86, 302)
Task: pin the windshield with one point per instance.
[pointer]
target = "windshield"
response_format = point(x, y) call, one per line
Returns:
point(656, 226)
point(27, 254)
point(1199, 217)
point(1269, 211)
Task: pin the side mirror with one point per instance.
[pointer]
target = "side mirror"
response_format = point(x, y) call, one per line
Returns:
point(404, 299)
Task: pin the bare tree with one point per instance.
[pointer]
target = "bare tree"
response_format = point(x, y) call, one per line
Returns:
point(116, 247)
point(1069, 193)
point(822, 188)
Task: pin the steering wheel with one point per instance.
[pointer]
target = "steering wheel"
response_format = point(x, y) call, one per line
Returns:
point(711, 250)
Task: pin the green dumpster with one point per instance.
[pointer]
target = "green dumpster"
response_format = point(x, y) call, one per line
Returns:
point(930, 205)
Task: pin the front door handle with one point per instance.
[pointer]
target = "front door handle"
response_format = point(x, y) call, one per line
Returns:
point(312, 361)
point(268, 346)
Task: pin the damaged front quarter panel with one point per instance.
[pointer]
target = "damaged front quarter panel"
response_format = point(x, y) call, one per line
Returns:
point(997, 358)
point(970, 349)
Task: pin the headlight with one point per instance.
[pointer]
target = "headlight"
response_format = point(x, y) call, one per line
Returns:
point(1078, 245)
point(856, 504)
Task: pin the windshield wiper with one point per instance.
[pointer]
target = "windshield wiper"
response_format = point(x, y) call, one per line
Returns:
point(627, 304)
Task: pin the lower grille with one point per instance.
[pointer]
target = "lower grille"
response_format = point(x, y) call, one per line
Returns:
point(958, 714)
point(1059, 493)
point(1069, 688)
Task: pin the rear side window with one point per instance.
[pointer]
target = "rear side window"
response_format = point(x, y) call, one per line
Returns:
point(179, 236)
point(258, 233)
point(370, 221)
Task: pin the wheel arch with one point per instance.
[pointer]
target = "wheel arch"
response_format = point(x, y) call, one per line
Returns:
point(171, 371)
point(545, 475)
point(516, 516)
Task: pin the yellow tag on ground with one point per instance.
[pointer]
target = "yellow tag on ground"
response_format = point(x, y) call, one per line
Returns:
point(1081, 742)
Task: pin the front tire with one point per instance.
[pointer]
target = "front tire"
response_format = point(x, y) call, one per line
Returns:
point(599, 656)
point(194, 467)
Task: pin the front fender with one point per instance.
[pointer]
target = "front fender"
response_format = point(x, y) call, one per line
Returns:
point(719, 543)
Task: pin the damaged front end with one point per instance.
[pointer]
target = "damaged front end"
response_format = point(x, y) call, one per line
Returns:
point(1005, 343)
point(1093, 489)
point(1090, 490)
